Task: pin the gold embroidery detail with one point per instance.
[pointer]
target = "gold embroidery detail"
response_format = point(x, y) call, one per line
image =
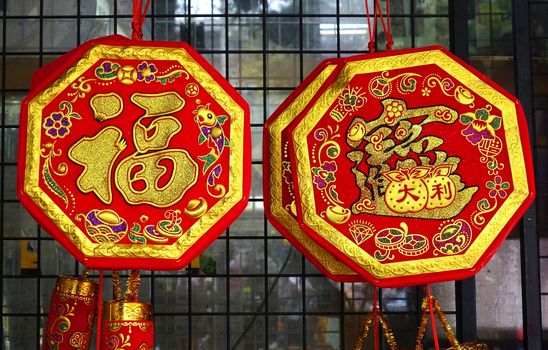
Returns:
point(185, 174)
point(76, 286)
point(196, 207)
point(412, 186)
point(126, 311)
point(159, 104)
point(106, 106)
point(97, 155)
point(127, 75)
point(164, 128)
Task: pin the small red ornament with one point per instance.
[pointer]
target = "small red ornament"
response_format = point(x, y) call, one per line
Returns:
point(133, 154)
point(127, 324)
point(71, 314)
point(410, 163)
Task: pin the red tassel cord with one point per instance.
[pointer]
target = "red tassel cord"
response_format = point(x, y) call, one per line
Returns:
point(138, 19)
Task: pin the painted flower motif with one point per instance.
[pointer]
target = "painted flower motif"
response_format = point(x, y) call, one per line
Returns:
point(481, 125)
point(57, 125)
point(498, 187)
point(56, 337)
point(351, 101)
point(146, 72)
point(112, 342)
point(324, 174)
point(394, 111)
point(426, 92)
point(79, 340)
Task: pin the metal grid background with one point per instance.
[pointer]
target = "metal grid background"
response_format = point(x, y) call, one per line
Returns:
point(261, 293)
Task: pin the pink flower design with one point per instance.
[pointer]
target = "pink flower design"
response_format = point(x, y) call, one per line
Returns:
point(498, 187)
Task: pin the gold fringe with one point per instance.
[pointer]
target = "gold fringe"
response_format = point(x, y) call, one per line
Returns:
point(133, 284)
point(366, 325)
point(425, 314)
point(116, 286)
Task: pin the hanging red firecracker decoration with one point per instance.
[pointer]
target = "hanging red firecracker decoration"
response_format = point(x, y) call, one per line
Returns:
point(71, 314)
point(127, 323)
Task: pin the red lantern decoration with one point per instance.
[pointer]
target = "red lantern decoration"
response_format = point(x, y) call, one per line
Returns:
point(133, 154)
point(409, 163)
point(71, 314)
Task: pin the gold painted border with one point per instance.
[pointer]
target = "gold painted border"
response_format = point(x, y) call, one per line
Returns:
point(64, 223)
point(328, 261)
point(439, 264)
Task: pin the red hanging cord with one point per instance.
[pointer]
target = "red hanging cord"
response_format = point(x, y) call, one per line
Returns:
point(377, 13)
point(376, 318)
point(385, 25)
point(138, 19)
point(432, 318)
point(372, 33)
point(389, 40)
point(99, 311)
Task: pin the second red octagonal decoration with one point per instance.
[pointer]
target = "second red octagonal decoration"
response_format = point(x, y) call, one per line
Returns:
point(410, 164)
point(134, 154)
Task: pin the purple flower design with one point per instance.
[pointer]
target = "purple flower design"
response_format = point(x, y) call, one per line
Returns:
point(146, 72)
point(56, 337)
point(57, 125)
point(475, 134)
point(324, 174)
point(498, 187)
point(481, 125)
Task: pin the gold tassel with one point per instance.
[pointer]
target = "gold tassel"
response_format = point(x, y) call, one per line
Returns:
point(116, 286)
point(366, 325)
point(133, 284)
point(425, 310)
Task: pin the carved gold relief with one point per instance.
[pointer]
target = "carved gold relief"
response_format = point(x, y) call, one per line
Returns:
point(97, 154)
point(106, 106)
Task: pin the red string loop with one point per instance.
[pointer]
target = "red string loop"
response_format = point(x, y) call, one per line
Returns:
point(99, 310)
point(371, 44)
point(432, 318)
point(138, 19)
point(376, 318)
point(386, 26)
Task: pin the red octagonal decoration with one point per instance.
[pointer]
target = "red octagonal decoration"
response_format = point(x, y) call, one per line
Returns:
point(411, 164)
point(279, 194)
point(133, 154)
